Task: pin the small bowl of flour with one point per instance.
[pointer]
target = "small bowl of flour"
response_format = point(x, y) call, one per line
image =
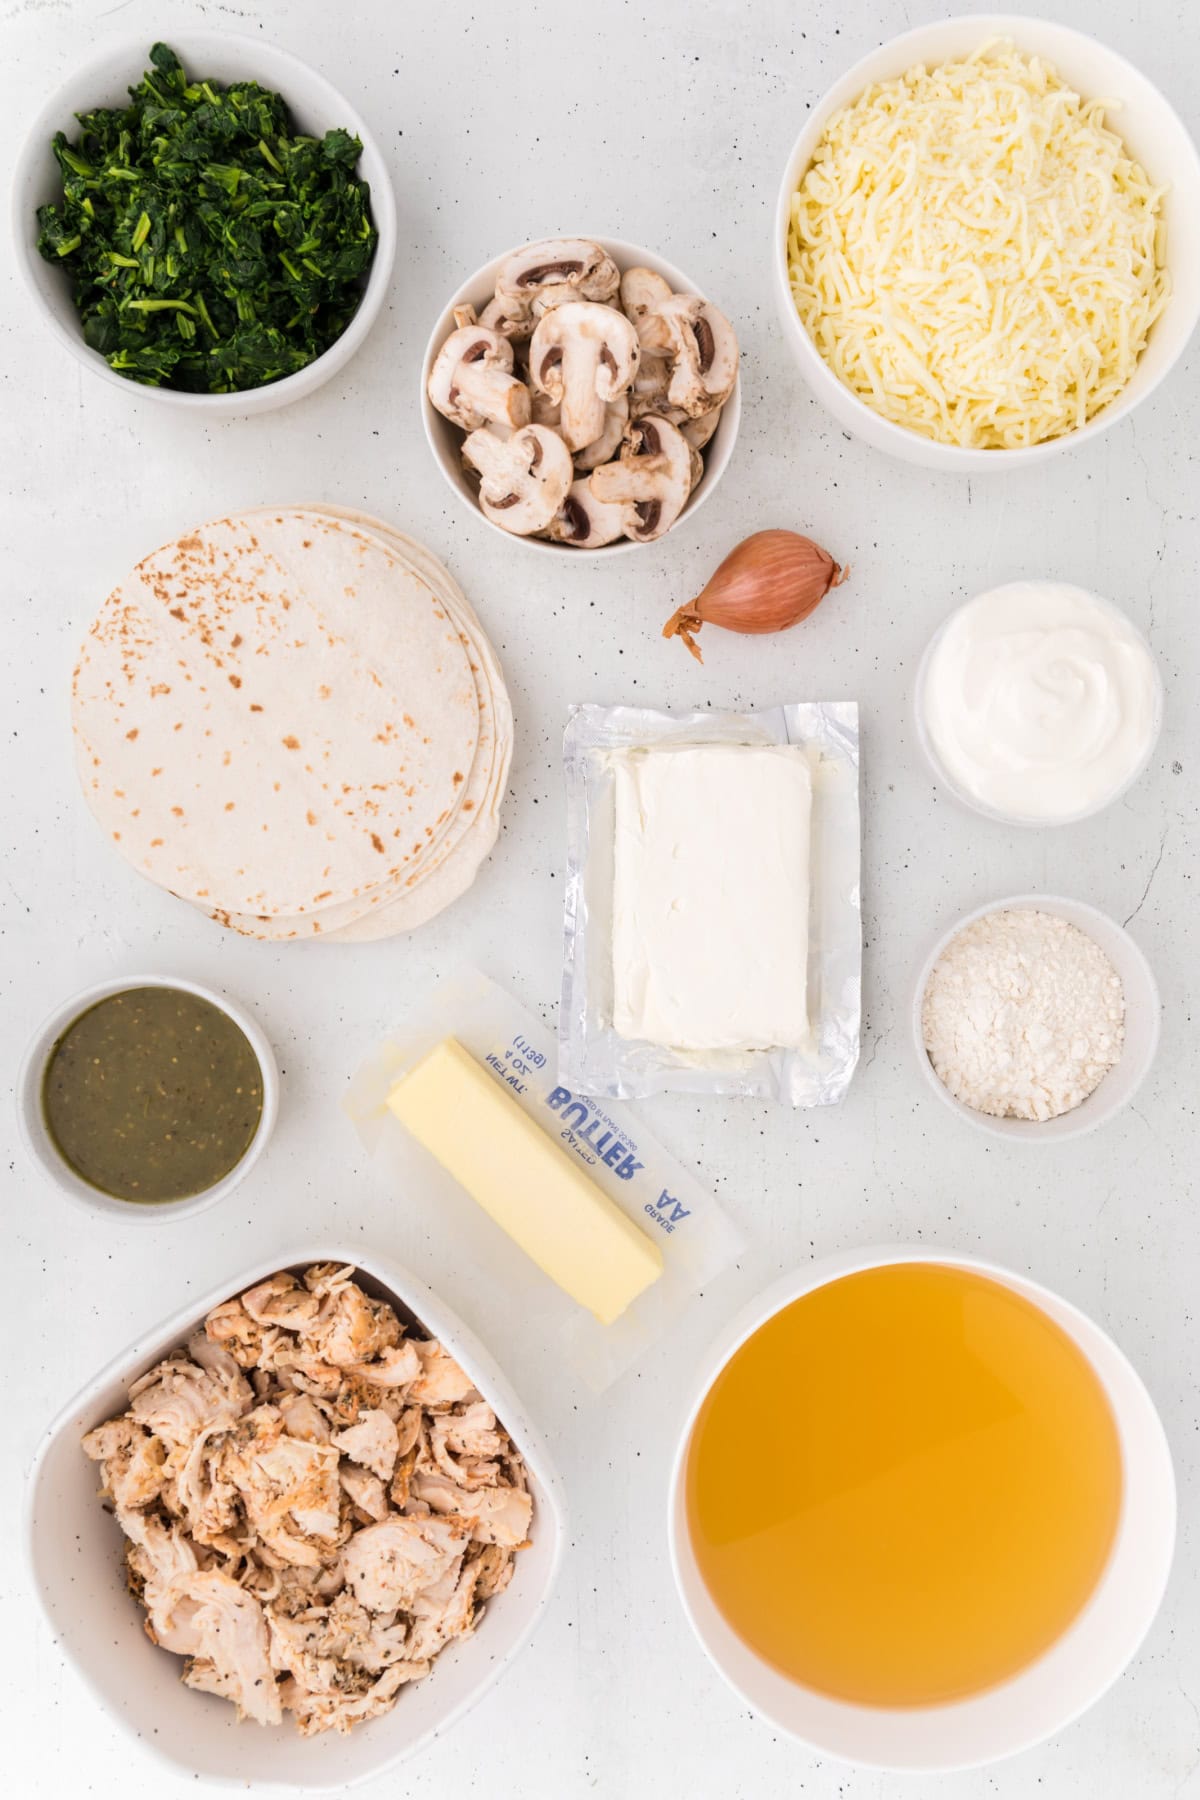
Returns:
point(1036, 1017)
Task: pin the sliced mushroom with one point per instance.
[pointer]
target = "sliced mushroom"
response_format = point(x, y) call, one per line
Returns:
point(616, 418)
point(586, 522)
point(702, 347)
point(654, 402)
point(472, 383)
point(520, 349)
point(652, 383)
point(652, 478)
point(583, 356)
point(524, 478)
point(511, 317)
point(556, 271)
point(642, 292)
point(546, 411)
point(699, 431)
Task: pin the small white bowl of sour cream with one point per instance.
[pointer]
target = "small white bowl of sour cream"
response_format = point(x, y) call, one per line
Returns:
point(1038, 703)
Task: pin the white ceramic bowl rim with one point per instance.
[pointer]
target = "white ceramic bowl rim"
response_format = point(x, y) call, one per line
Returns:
point(42, 1150)
point(1139, 1565)
point(931, 42)
point(477, 290)
point(1025, 820)
point(253, 1766)
point(1093, 1112)
point(275, 68)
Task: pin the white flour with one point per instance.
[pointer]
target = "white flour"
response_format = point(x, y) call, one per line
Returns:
point(1023, 1015)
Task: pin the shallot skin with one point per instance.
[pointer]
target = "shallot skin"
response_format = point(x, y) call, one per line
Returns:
point(769, 582)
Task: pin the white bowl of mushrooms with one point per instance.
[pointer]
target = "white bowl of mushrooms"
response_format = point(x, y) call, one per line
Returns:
point(581, 394)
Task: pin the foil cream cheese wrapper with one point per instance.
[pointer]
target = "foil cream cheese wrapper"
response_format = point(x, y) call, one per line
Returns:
point(593, 1057)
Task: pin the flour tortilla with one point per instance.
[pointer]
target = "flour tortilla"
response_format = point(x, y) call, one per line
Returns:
point(329, 918)
point(274, 720)
point(412, 899)
point(440, 887)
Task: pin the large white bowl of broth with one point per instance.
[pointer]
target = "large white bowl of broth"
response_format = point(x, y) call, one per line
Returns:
point(922, 1512)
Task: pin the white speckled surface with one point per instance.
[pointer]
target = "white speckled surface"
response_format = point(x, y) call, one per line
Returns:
point(666, 124)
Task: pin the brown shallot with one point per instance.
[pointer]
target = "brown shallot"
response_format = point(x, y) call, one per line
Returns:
point(770, 581)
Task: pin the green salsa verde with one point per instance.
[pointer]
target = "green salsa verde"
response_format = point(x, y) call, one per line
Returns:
point(152, 1095)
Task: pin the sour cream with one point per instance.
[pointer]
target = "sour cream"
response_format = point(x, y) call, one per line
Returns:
point(1039, 701)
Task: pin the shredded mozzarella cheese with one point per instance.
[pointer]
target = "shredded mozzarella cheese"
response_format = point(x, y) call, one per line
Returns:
point(975, 254)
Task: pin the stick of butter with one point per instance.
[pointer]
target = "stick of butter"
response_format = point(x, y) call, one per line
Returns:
point(527, 1182)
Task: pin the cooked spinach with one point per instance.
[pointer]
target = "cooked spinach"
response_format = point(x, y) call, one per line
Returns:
point(211, 246)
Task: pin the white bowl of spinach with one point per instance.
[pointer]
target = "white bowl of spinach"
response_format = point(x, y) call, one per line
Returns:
point(208, 222)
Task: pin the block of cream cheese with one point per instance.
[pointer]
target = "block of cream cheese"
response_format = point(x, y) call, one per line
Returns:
point(529, 1184)
point(710, 896)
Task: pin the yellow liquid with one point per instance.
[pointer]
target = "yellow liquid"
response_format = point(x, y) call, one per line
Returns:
point(904, 1487)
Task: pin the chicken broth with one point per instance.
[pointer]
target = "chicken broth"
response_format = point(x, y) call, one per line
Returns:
point(152, 1095)
point(904, 1487)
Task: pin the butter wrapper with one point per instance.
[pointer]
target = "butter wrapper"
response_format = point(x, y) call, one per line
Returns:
point(458, 1248)
point(594, 1059)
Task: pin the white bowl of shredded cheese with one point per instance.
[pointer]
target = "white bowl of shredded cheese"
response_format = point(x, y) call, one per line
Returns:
point(1023, 1014)
point(991, 306)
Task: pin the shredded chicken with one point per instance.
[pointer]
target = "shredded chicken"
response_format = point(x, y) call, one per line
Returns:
point(372, 1442)
point(315, 1502)
point(498, 1515)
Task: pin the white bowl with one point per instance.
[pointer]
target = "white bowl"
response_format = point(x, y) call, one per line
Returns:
point(1143, 1011)
point(959, 793)
point(75, 1553)
point(31, 1117)
point(446, 439)
point(1153, 132)
point(316, 107)
point(1061, 1684)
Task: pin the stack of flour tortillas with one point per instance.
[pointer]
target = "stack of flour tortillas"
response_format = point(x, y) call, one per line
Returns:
point(292, 719)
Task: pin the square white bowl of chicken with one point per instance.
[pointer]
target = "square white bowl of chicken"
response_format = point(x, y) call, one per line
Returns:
point(325, 1525)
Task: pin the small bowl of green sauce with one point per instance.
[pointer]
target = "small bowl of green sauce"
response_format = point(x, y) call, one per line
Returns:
point(147, 1098)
